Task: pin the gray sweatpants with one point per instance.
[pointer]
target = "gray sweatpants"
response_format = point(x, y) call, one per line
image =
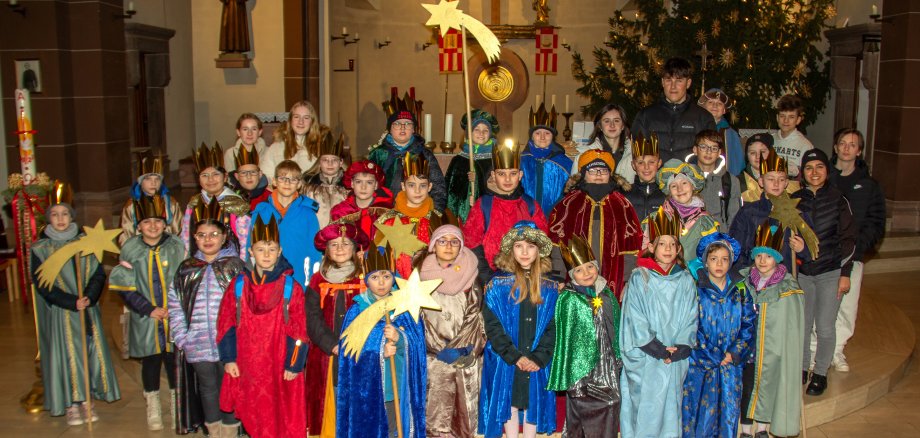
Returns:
point(821, 305)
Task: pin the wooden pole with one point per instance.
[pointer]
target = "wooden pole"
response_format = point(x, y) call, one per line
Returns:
point(398, 415)
point(795, 275)
point(469, 117)
point(89, 398)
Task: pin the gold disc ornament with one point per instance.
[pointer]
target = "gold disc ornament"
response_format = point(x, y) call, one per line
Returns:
point(496, 84)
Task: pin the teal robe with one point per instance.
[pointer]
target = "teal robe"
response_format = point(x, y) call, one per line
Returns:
point(60, 341)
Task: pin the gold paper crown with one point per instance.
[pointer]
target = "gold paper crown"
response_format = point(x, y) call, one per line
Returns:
point(329, 145)
point(663, 224)
point(244, 157)
point(576, 252)
point(642, 146)
point(773, 163)
point(150, 207)
point(265, 232)
point(407, 103)
point(542, 117)
point(506, 156)
point(378, 258)
point(769, 236)
point(61, 193)
point(212, 210)
point(147, 163)
point(415, 164)
point(206, 157)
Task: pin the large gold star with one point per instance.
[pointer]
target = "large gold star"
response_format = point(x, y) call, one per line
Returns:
point(444, 14)
point(401, 238)
point(413, 294)
point(96, 241)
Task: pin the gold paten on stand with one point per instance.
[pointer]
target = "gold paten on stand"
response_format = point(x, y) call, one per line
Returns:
point(448, 147)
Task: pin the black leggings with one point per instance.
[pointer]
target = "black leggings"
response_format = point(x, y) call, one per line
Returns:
point(747, 387)
point(150, 370)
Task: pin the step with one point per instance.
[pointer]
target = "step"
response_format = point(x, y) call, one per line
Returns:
point(893, 261)
point(900, 242)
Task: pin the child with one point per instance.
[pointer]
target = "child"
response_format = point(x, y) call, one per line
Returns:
point(368, 198)
point(290, 141)
point(414, 205)
point(712, 389)
point(789, 142)
point(296, 217)
point(249, 139)
point(156, 255)
point(718, 103)
point(149, 183)
point(682, 183)
point(213, 180)
point(58, 320)
point(721, 191)
point(586, 358)
point(657, 332)
point(459, 175)
point(772, 393)
point(365, 401)
point(332, 291)
point(520, 302)
point(193, 303)
point(323, 183)
point(454, 336)
point(645, 196)
point(262, 342)
point(499, 209)
point(544, 163)
point(610, 134)
point(248, 180)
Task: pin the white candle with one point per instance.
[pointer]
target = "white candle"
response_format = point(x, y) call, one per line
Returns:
point(25, 128)
point(537, 104)
point(553, 100)
point(130, 6)
point(874, 10)
point(387, 39)
point(563, 41)
point(448, 127)
point(356, 36)
point(566, 103)
point(427, 127)
point(344, 30)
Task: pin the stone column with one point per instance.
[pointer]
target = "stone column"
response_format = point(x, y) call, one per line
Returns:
point(82, 112)
point(897, 153)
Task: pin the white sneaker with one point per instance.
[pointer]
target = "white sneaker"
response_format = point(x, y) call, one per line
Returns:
point(74, 418)
point(89, 412)
point(840, 363)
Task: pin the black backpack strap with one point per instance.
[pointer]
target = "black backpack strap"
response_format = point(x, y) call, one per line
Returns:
point(486, 204)
point(725, 194)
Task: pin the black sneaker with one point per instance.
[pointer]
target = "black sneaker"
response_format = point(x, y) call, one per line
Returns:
point(762, 434)
point(805, 377)
point(817, 386)
point(746, 435)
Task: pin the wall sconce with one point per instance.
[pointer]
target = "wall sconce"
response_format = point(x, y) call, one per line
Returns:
point(351, 66)
point(426, 45)
point(129, 12)
point(385, 43)
point(566, 45)
point(17, 8)
point(344, 35)
point(355, 40)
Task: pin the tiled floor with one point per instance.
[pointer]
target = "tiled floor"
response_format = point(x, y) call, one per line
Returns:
point(894, 415)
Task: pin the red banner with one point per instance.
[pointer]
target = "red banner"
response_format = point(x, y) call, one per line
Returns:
point(450, 52)
point(547, 43)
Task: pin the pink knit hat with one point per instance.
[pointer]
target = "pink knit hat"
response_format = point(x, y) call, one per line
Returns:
point(442, 231)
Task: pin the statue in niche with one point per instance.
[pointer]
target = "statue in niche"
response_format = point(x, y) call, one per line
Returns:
point(542, 10)
point(234, 27)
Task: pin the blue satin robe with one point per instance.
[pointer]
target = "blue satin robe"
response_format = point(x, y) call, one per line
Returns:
point(712, 393)
point(361, 394)
point(497, 376)
point(663, 307)
point(545, 174)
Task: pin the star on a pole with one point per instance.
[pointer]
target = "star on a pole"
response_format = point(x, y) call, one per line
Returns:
point(785, 210)
point(413, 294)
point(96, 241)
point(444, 14)
point(400, 237)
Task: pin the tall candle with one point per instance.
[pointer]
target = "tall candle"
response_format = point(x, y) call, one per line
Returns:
point(537, 104)
point(427, 127)
point(566, 103)
point(344, 30)
point(25, 131)
point(553, 100)
point(130, 6)
point(448, 127)
point(874, 10)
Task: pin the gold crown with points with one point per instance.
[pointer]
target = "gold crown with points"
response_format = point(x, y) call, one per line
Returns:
point(150, 207)
point(378, 258)
point(576, 252)
point(206, 157)
point(542, 117)
point(407, 103)
point(265, 232)
point(415, 165)
point(329, 145)
point(212, 210)
point(147, 163)
point(663, 224)
point(61, 193)
point(770, 236)
point(773, 163)
point(244, 157)
point(506, 156)
point(642, 145)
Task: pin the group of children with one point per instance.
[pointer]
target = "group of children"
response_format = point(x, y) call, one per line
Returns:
point(650, 329)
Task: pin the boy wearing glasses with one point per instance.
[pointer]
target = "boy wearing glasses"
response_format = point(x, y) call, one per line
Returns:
point(597, 212)
point(296, 217)
point(722, 191)
point(401, 140)
point(248, 179)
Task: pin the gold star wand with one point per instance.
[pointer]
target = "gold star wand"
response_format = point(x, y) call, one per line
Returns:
point(96, 241)
point(446, 15)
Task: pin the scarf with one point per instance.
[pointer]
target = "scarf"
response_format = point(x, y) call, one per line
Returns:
point(390, 140)
point(598, 192)
point(458, 276)
point(538, 152)
point(62, 236)
point(777, 276)
point(689, 211)
point(340, 274)
point(402, 206)
point(485, 148)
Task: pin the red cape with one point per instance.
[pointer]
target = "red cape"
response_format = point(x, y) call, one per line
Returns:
point(505, 213)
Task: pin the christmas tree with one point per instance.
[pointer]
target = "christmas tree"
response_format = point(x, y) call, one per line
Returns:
point(755, 50)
